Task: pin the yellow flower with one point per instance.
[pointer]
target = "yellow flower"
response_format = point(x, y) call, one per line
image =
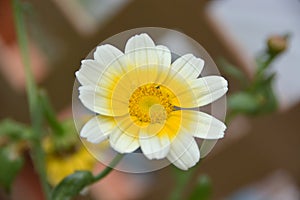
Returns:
point(60, 164)
point(58, 167)
point(142, 100)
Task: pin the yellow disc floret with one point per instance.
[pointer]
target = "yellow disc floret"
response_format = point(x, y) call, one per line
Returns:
point(151, 103)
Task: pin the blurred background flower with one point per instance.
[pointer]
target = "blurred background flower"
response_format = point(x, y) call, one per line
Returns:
point(65, 156)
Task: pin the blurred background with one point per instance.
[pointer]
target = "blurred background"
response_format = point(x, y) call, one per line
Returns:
point(259, 158)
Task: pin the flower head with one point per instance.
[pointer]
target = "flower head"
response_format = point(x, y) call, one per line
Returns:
point(143, 100)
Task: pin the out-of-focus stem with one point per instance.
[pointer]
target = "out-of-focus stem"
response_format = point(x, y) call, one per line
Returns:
point(109, 168)
point(37, 153)
point(49, 114)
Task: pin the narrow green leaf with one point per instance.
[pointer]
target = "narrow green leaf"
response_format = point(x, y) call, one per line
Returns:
point(203, 189)
point(49, 113)
point(72, 185)
point(243, 102)
point(11, 163)
point(233, 71)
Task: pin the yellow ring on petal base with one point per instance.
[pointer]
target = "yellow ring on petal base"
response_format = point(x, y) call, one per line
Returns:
point(149, 95)
point(142, 81)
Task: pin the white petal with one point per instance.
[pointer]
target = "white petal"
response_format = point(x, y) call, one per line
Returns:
point(114, 100)
point(123, 143)
point(209, 127)
point(203, 91)
point(109, 56)
point(164, 56)
point(139, 41)
point(154, 146)
point(141, 50)
point(109, 65)
point(97, 129)
point(124, 137)
point(184, 152)
point(89, 72)
point(101, 105)
point(188, 66)
point(100, 100)
point(202, 125)
point(114, 63)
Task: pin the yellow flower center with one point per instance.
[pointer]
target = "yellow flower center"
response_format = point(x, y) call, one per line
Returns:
point(151, 103)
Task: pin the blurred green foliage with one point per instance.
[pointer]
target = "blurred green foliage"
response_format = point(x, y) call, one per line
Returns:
point(11, 164)
point(256, 95)
point(13, 137)
point(201, 190)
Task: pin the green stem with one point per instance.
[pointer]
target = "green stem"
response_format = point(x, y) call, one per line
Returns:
point(109, 168)
point(50, 114)
point(38, 155)
point(265, 64)
point(182, 183)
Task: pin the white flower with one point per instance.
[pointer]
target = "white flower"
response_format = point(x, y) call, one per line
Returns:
point(139, 98)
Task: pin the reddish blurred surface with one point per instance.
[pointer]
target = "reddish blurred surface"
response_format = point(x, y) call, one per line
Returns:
point(7, 31)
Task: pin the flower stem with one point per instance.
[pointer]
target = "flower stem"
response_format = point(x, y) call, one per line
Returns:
point(183, 179)
point(109, 168)
point(49, 114)
point(37, 153)
point(265, 64)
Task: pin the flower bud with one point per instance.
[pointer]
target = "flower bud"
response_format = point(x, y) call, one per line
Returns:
point(277, 44)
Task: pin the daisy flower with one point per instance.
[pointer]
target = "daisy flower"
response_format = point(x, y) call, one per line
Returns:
point(143, 100)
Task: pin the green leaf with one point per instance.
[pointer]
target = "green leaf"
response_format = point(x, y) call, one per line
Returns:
point(68, 139)
point(233, 71)
point(263, 89)
point(243, 102)
point(14, 130)
point(49, 113)
point(72, 185)
point(11, 163)
point(270, 103)
point(202, 190)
